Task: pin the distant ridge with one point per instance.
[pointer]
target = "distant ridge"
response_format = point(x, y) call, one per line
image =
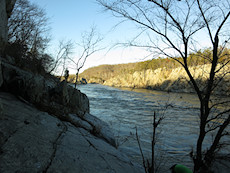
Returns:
point(160, 74)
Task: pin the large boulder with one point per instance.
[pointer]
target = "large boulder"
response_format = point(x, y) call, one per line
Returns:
point(76, 98)
point(101, 129)
point(48, 94)
point(69, 97)
point(56, 98)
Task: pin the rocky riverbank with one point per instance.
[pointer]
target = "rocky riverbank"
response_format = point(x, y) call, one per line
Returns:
point(159, 74)
point(172, 80)
point(35, 141)
point(46, 126)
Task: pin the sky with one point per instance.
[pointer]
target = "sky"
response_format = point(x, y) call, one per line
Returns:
point(69, 19)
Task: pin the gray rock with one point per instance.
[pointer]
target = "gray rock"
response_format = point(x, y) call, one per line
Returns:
point(57, 98)
point(9, 7)
point(78, 100)
point(78, 122)
point(101, 129)
point(62, 93)
point(93, 125)
point(98, 156)
point(3, 25)
point(1, 78)
point(34, 141)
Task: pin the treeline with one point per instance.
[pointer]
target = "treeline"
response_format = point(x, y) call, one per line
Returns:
point(28, 38)
point(102, 73)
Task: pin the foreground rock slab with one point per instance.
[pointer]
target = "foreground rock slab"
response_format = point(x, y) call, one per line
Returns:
point(34, 141)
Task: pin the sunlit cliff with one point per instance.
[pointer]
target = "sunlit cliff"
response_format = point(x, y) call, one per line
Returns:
point(166, 79)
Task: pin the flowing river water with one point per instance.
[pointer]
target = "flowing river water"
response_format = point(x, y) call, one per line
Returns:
point(126, 110)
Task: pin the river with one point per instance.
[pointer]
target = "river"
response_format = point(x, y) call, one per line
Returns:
point(126, 110)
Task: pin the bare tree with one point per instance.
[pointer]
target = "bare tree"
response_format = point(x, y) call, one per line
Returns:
point(28, 26)
point(172, 28)
point(63, 54)
point(88, 46)
point(150, 166)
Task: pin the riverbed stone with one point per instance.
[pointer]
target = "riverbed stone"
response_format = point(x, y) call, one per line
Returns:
point(34, 141)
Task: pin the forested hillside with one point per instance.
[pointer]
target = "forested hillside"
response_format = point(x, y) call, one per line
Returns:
point(162, 73)
point(102, 73)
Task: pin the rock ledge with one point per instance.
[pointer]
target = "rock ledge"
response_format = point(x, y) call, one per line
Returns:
point(34, 141)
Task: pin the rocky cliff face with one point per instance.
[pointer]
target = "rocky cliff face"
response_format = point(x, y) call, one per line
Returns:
point(175, 80)
point(6, 6)
point(47, 94)
point(45, 126)
point(3, 24)
point(1, 78)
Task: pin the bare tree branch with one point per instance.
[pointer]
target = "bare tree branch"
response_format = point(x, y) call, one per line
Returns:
point(89, 45)
point(176, 24)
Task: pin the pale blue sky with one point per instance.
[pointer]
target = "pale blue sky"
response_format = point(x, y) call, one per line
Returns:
point(70, 18)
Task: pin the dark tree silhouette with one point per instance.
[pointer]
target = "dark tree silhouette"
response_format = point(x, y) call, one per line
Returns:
point(28, 26)
point(63, 54)
point(172, 28)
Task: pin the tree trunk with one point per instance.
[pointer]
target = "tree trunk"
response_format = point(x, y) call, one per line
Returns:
point(210, 154)
point(198, 160)
point(153, 142)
